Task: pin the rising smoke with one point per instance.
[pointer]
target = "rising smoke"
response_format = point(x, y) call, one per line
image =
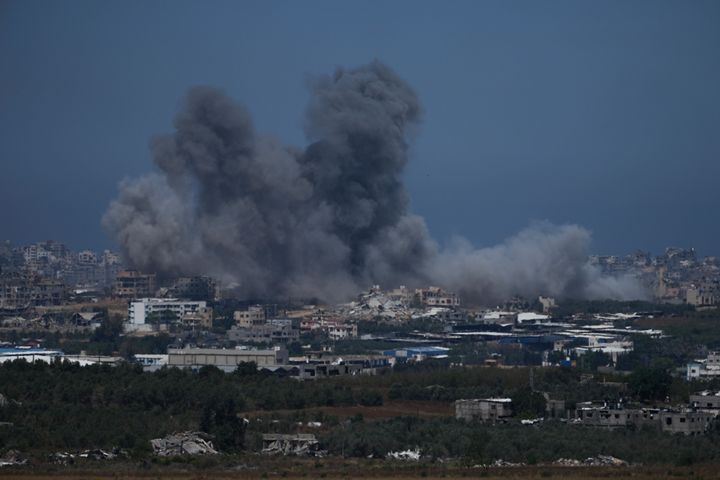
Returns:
point(326, 221)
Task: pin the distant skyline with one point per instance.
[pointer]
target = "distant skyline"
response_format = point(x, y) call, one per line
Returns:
point(602, 114)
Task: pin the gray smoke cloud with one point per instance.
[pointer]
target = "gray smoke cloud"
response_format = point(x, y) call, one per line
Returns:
point(326, 221)
point(541, 260)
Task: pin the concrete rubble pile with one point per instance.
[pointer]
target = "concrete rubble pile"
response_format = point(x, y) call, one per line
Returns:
point(67, 458)
point(504, 463)
point(376, 305)
point(184, 443)
point(300, 444)
point(412, 455)
point(598, 461)
point(12, 457)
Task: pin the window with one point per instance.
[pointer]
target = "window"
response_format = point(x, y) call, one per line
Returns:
point(668, 421)
point(682, 419)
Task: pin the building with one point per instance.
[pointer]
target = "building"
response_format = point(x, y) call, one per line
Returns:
point(274, 331)
point(706, 401)
point(436, 297)
point(609, 415)
point(342, 331)
point(201, 319)
point(133, 284)
point(704, 369)
point(142, 314)
point(151, 362)
point(703, 295)
point(253, 316)
point(194, 288)
point(225, 359)
point(686, 421)
point(30, 355)
point(417, 353)
point(483, 409)
point(87, 257)
point(24, 291)
point(313, 371)
point(548, 303)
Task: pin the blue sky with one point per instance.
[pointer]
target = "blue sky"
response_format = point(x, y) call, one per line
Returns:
point(605, 114)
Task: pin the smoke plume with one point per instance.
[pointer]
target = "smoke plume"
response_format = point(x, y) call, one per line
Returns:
point(326, 221)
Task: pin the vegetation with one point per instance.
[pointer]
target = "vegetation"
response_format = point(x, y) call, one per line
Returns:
point(63, 406)
point(481, 443)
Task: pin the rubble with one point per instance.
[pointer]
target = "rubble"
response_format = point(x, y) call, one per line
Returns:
point(12, 457)
point(598, 461)
point(411, 455)
point(67, 458)
point(532, 421)
point(504, 463)
point(291, 444)
point(183, 443)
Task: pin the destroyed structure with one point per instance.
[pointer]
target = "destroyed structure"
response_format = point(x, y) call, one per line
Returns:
point(683, 420)
point(184, 443)
point(290, 444)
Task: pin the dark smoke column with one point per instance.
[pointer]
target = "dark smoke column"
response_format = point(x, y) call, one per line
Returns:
point(272, 220)
point(329, 220)
point(359, 119)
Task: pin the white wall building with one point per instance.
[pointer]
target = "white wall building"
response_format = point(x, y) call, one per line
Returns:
point(140, 311)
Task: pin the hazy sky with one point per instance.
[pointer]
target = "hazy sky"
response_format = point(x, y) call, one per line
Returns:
point(605, 114)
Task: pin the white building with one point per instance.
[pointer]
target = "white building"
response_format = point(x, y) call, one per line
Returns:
point(151, 361)
point(141, 311)
point(706, 368)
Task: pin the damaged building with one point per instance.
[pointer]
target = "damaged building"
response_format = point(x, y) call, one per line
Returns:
point(483, 409)
point(290, 444)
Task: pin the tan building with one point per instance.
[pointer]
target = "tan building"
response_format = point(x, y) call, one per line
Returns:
point(701, 296)
point(251, 317)
point(225, 359)
point(134, 284)
point(437, 297)
point(200, 319)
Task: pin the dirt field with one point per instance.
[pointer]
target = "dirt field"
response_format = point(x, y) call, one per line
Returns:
point(352, 471)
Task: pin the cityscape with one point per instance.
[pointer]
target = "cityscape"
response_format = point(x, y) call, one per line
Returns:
point(350, 240)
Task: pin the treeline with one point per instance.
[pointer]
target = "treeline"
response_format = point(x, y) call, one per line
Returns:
point(480, 443)
point(64, 406)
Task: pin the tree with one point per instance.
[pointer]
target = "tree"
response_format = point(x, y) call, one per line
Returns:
point(650, 383)
point(109, 330)
point(528, 404)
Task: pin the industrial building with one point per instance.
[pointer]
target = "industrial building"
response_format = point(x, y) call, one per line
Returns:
point(225, 359)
